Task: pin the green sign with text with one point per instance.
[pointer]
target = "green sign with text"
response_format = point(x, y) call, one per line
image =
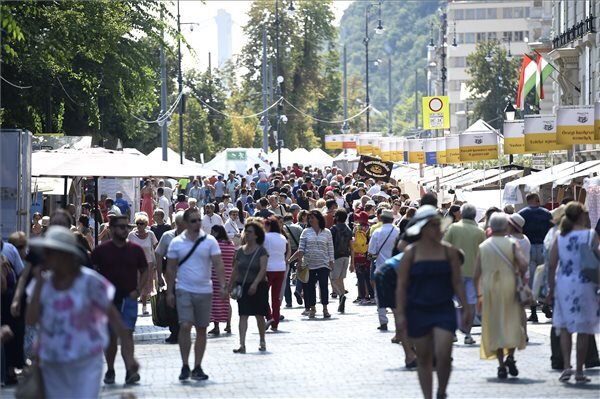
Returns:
point(236, 155)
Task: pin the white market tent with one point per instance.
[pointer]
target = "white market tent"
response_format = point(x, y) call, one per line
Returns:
point(320, 158)
point(238, 159)
point(173, 158)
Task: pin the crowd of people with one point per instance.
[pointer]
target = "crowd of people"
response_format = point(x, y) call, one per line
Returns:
point(267, 238)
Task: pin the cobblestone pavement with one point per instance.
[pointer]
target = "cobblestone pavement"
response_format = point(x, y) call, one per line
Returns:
point(345, 356)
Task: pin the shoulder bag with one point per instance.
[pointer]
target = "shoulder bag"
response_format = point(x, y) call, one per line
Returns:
point(32, 384)
point(187, 256)
point(524, 294)
point(588, 260)
point(237, 292)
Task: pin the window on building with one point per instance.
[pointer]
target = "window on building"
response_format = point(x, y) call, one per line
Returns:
point(457, 62)
point(537, 34)
point(482, 36)
point(470, 14)
point(518, 12)
point(491, 13)
point(518, 36)
point(480, 13)
point(459, 14)
point(537, 3)
point(454, 85)
point(507, 13)
point(507, 36)
point(491, 36)
point(469, 38)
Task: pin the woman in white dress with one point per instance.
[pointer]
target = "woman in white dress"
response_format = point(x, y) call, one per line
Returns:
point(145, 238)
point(576, 300)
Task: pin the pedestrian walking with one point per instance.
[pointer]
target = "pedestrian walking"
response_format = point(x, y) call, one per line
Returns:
point(250, 280)
point(498, 261)
point(342, 249)
point(146, 239)
point(190, 258)
point(73, 306)
point(428, 279)
point(279, 251)
point(221, 308)
point(576, 297)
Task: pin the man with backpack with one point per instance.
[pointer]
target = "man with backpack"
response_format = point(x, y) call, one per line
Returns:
point(342, 249)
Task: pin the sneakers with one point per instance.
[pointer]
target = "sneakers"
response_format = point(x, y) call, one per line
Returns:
point(298, 297)
point(198, 374)
point(357, 300)
point(185, 373)
point(469, 340)
point(372, 302)
point(305, 313)
point(342, 305)
point(382, 327)
point(131, 377)
point(109, 377)
point(172, 339)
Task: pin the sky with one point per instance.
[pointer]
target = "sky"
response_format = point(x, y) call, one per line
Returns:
point(204, 16)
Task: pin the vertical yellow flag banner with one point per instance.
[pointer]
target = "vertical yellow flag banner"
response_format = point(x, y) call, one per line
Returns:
point(436, 113)
point(416, 151)
point(597, 121)
point(333, 142)
point(452, 149)
point(514, 137)
point(575, 125)
point(478, 146)
point(540, 134)
point(440, 147)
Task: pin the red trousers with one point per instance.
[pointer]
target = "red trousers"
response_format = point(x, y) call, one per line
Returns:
point(276, 280)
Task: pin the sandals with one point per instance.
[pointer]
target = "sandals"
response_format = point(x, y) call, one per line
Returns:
point(263, 346)
point(582, 378)
point(241, 349)
point(566, 375)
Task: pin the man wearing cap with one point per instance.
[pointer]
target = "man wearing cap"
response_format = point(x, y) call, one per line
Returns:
point(538, 221)
point(120, 261)
point(466, 236)
point(381, 246)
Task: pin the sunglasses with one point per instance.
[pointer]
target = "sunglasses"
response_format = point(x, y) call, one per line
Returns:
point(141, 223)
point(193, 220)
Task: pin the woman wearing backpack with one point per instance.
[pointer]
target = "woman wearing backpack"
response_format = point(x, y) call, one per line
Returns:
point(359, 262)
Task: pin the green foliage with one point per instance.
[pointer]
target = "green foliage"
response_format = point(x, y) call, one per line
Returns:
point(91, 65)
point(405, 37)
point(492, 83)
point(308, 63)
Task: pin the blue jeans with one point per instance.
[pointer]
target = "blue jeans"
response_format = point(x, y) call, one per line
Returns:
point(536, 258)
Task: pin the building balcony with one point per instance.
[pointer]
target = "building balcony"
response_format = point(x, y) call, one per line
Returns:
point(577, 31)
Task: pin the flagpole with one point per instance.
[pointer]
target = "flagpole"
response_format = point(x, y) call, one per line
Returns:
point(556, 69)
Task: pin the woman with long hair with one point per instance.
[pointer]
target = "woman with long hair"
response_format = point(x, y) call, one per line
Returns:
point(147, 194)
point(279, 251)
point(220, 311)
point(146, 239)
point(428, 279)
point(576, 304)
point(315, 251)
point(249, 272)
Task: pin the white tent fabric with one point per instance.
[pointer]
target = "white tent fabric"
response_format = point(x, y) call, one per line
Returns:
point(50, 185)
point(102, 163)
point(320, 158)
point(173, 158)
point(253, 156)
point(511, 192)
point(286, 157)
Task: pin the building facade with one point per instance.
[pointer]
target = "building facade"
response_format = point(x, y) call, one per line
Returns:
point(516, 24)
point(224, 36)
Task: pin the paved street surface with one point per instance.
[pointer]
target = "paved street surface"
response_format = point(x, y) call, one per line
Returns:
point(343, 357)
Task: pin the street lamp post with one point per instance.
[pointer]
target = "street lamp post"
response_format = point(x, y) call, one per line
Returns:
point(180, 85)
point(378, 30)
point(509, 112)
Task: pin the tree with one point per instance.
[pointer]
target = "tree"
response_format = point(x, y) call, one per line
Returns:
point(196, 137)
point(492, 83)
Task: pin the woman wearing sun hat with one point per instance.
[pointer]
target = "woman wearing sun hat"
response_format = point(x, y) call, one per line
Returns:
point(428, 278)
point(73, 306)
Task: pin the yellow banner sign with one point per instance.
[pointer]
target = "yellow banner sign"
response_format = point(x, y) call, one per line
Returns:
point(416, 151)
point(436, 112)
point(440, 147)
point(334, 142)
point(514, 137)
point(478, 146)
point(540, 134)
point(597, 121)
point(452, 149)
point(575, 125)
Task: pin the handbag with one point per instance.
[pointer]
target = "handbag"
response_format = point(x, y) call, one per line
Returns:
point(32, 384)
point(303, 274)
point(238, 291)
point(588, 260)
point(162, 314)
point(524, 293)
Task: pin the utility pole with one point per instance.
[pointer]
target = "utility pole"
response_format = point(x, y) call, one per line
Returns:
point(366, 41)
point(180, 84)
point(390, 104)
point(345, 127)
point(278, 82)
point(265, 116)
point(416, 101)
point(164, 128)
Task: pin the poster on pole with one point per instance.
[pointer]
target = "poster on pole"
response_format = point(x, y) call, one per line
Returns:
point(374, 168)
point(348, 141)
point(436, 113)
point(440, 144)
point(478, 146)
point(597, 121)
point(514, 137)
point(431, 151)
point(575, 125)
point(416, 151)
point(452, 149)
point(540, 134)
point(334, 142)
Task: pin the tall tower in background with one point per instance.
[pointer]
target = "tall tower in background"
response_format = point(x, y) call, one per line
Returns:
point(224, 23)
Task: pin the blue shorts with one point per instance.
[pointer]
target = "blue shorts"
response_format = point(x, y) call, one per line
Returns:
point(470, 291)
point(129, 312)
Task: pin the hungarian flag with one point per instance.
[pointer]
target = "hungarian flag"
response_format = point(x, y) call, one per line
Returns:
point(544, 69)
point(526, 81)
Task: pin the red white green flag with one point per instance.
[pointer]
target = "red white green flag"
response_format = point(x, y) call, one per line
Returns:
point(544, 69)
point(526, 81)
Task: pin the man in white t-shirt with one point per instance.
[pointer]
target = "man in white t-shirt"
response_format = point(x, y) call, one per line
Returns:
point(190, 257)
point(164, 204)
point(210, 218)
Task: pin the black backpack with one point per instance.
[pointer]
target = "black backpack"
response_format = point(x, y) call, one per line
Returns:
point(341, 237)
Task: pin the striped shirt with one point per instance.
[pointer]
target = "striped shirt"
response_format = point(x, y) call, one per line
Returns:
point(220, 307)
point(317, 248)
